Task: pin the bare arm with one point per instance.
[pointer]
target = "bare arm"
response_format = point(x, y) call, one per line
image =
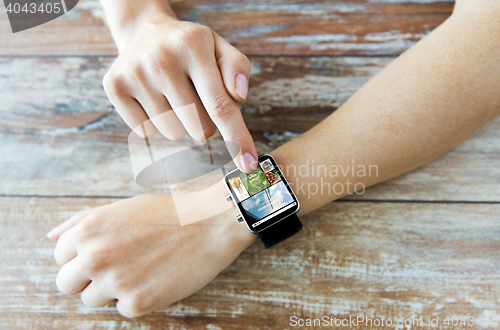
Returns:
point(123, 17)
point(430, 99)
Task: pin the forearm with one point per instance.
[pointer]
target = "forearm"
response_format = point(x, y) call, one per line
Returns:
point(123, 16)
point(430, 99)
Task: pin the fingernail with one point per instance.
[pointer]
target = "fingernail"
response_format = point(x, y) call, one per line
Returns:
point(241, 85)
point(248, 162)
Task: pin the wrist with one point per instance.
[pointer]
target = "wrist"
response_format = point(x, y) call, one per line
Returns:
point(134, 17)
point(209, 209)
point(238, 235)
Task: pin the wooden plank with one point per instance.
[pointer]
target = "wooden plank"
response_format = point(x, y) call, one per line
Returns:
point(59, 137)
point(286, 94)
point(391, 260)
point(352, 27)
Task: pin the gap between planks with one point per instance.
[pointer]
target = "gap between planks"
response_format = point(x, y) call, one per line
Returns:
point(249, 56)
point(336, 201)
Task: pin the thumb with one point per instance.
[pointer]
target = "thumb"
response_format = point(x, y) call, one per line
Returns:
point(234, 67)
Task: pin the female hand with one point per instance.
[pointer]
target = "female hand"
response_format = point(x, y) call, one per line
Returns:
point(166, 64)
point(135, 251)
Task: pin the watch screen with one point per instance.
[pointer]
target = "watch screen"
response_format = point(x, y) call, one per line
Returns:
point(263, 197)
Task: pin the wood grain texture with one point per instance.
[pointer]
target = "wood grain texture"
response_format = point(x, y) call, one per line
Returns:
point(61, 142)
point(60, 136)
point(391, 260)
point(352, 27)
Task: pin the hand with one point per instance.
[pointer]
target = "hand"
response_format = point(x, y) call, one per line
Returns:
point(135, 251)
point(165, 64)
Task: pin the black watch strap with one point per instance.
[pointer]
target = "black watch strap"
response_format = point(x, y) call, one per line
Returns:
point(280, 231)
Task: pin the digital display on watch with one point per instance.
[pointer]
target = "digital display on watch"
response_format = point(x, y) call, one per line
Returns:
point(264, 196)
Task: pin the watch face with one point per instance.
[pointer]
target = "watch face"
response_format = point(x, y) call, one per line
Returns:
point(264, 196)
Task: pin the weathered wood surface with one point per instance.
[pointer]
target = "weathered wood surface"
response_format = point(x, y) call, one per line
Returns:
point(59, 135)
point(433, 253)
point(351, 27)
point(391, 260)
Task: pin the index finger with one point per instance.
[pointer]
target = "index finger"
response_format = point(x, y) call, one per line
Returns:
point(224, 111)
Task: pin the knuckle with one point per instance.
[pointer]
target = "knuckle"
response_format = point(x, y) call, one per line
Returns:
point(243, 59)
point(88, 301)
point(85, 300)
point(60, 283)
point(135, 73)
point(114, 84)
point(222, 106)
point(124, 309)
point(88, 228)
point(80, 214)
point(60, 247)
point(208, 131)
point(192, 38)
point(136, 304)
point(93, 260)
point(141, 302)
point(64, 282)
point(174, 136)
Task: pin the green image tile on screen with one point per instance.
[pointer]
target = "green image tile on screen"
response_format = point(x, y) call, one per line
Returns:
point(255, 182)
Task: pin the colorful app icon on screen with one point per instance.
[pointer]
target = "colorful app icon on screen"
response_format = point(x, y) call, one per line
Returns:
point(238, 188)
point(255, 182)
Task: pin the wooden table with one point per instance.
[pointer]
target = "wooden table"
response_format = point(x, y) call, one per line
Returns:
point(425, 244)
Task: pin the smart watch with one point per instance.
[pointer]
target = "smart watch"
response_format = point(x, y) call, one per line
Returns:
point(265, 201)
